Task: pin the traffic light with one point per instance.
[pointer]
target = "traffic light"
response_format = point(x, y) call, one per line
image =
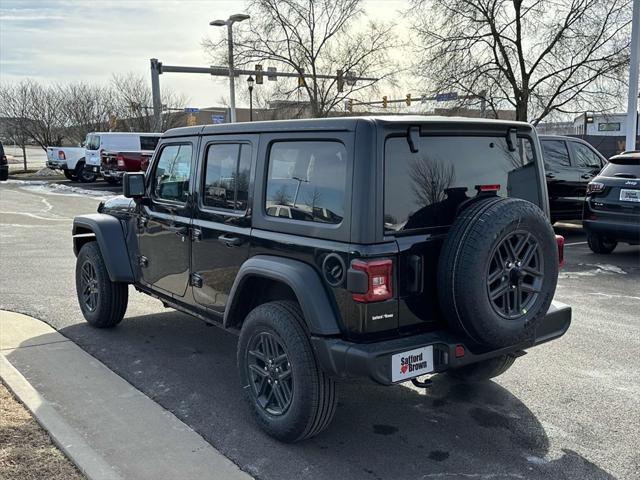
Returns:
point(340, 81)
point(301, 82)
point(258, 74)
point(408, 100)
point(385, 102)
point(350, 105)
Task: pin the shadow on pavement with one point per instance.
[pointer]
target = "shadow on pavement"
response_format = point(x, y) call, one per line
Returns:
point(454, 430)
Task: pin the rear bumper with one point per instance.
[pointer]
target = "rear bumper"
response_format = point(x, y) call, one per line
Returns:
point(346, 359)
point(56, 165)
point(118, 174)
point(628, 231)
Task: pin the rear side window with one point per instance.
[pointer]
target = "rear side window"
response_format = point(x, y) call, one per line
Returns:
point(226, 179)
point(583, 156)
point(425, 189)
point(306, 181)
point(148, 143)
point(555, 153)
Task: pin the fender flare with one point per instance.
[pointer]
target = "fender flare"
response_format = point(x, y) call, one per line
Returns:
point(304, 281)
point(111, 240)
point(75, 164)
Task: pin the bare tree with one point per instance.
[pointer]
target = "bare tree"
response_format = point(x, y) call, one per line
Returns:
point(535, 56)
point(87, 108)
point(430, 179)
point(14, 110)
point(313, 37)
point(133, 105)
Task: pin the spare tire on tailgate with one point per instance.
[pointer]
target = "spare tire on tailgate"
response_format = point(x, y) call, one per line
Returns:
point(497, 271)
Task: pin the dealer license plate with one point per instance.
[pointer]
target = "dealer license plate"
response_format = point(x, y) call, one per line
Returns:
point(411, 364)
point(627, 195)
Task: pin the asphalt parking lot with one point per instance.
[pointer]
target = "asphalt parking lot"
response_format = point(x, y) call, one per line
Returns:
point(568, 409)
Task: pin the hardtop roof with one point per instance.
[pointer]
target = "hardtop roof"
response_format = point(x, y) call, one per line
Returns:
point(333, 124)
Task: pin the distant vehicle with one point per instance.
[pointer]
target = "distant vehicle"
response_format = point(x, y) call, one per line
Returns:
point(570, 163)
point(113, 165)
point(4, 165)
point(99, 142)
point(71, 161)
point(612, 205)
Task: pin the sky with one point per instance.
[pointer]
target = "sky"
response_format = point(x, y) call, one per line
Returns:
point(64, 41)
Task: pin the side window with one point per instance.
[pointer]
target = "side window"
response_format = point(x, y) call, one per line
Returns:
point(172, 173)
point(583, 156)
point(306, 181)
point(226, 179)
point(554, 152)
point(148, 143)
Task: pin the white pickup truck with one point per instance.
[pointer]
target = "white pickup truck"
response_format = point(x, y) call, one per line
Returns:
point(71, 160)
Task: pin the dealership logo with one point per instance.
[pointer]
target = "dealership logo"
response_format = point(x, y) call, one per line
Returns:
point(412, 363)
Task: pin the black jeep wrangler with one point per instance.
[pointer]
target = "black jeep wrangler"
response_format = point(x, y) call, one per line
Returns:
point(390, 248)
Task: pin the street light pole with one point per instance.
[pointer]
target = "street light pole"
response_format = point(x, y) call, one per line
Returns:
point(239, 17)
point(250, 82)
point(632, 105)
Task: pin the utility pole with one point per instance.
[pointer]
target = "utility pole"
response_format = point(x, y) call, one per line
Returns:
point(156, 69)
point(632, 105)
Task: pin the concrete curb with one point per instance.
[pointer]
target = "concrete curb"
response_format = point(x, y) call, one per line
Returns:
point(63, 435)
point(107, 427)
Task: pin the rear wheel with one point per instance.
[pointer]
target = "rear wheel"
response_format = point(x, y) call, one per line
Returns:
point(84, 174)
point(103, 302)
point(290, 397)
point(70, 175)
point(481, 371)
point(600, 244)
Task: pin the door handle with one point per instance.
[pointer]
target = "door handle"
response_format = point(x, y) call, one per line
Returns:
point(586, 176)
point(550, 175)
point(229, 241)
point(181, 231)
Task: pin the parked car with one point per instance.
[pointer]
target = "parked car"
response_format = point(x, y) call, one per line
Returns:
point(612, 206)
point(570, 163)
point(113, 165)
point(99, 142)
point(4, 165)
point(71, 161)
point(419, 246)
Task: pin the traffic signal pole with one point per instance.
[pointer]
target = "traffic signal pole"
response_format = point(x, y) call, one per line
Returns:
point(632, 104)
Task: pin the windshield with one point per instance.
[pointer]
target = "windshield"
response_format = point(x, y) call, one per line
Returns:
point(425, 189)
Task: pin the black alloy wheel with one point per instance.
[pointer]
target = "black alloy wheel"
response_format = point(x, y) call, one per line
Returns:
point(269, 371)
point(89, 287)
point(515, 275)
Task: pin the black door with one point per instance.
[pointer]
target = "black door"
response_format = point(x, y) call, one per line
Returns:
point(222, 217)
point(163, 228)
point(563, 187)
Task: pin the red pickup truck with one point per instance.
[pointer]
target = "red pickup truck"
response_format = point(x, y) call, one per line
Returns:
point(114, 164)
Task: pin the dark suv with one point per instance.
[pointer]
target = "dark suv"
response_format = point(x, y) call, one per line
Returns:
point(388, 248)
point(570, 164)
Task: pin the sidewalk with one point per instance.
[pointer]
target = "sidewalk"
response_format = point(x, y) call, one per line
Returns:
point(108, 428)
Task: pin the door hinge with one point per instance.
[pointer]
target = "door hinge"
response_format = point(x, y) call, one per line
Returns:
point(143, 261)
point(142, 222)
point(196, 280)
point(196, 234)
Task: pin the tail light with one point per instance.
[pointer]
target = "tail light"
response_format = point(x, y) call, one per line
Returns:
point(487, 188)
point(560, 242)
point(61, 155)
point(379, 274)
point(594, 187)
point(120, 160)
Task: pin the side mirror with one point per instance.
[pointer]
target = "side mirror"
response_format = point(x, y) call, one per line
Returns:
point(133, 185)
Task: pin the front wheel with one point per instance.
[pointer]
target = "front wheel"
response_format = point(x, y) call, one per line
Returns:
point(290, 397)
point(484, 370)
point(600, 244)
point(103, 302)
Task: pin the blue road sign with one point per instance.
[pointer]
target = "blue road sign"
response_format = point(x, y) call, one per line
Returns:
point(217, 118)
point(446, 97)
point(191, 110)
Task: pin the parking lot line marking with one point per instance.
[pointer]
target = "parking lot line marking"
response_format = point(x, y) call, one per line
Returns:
point(575, 243)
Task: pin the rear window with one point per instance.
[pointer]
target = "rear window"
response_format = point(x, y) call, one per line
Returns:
point(425, 189)
point(148, 143)
point(307, 181)
point(625, 168)
point(555, 153)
